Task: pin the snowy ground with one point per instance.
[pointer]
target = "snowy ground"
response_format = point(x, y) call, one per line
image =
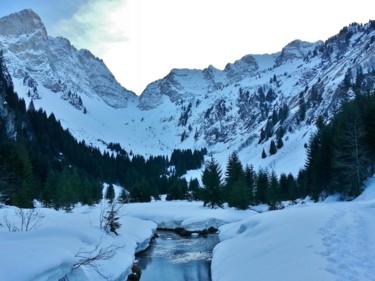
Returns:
point(49, 252)
point(323, 241)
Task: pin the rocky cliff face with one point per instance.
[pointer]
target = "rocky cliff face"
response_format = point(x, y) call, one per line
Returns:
point(40, 60)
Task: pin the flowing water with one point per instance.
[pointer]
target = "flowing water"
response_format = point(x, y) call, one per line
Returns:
point(175, 258)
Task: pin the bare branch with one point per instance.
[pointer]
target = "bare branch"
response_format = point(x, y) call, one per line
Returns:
point(90, 258)
point(28, 220)
point(9, 225)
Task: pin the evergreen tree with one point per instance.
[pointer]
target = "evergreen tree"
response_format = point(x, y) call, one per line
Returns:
point(292, 187)
point(319, 164)
point(48, 195)
point(239, 196)
point(141, 192)
point(283, 187)
point(273, 148)
point(31, 106)
point(234, 171)
point(177, 188)
point(193, 188)
point(250, 181)
point(211, 179)
point(351, 157)
point(301, 183)
point(312, 179)
point(280, 143)
point(302, 110)
point(264, 155)
point(123, 197)
point(18, 182)
point(110, 193)
point(262, 182)
point(273, 197)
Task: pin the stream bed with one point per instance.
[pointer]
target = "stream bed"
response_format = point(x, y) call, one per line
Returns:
point(174, 258)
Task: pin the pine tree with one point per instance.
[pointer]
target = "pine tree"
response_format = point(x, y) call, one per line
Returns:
point(312, 179)
point(264, 155)
point(177, 188)
point(31, 106)
point(141, 192)
point(110, 193)
point(351, 160)
point(280, 143)
point(262, 182)
point(273, 196)
point(123, 197)
point(302, 110)
point(283, 187)
point(234, 170)
point(239, 196)
point(211, 179)
point(193, 188)
point(292, 187)
point(25, 182)
point(273, 148)
point(18, 180)
point(250, 176)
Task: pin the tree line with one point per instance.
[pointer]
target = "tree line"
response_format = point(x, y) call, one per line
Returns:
point(242, 186)
point(340, 156)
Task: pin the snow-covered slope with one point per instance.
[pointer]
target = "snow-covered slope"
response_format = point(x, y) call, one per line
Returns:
point(253, 101)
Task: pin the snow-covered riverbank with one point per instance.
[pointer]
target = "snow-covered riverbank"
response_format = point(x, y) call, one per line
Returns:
point(49, 252)
point(323, 241)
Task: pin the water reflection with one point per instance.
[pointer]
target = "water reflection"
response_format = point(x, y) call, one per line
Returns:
point(173, 258)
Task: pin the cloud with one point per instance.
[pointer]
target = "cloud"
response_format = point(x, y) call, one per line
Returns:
point(96, 25)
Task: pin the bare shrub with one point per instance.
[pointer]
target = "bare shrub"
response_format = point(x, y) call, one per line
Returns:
point(91, 258)
point(27, 220)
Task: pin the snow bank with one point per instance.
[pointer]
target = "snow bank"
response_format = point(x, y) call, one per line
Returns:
point(324, 241)
point(191, 216)
point(49, 252)
point(269, 244)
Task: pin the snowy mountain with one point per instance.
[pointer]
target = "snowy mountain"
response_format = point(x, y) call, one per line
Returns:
point(254, 101)
point(39, 60)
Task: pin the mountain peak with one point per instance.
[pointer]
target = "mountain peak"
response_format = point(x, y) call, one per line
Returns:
point(295, 49)
point(20, 23)
point(38, 60)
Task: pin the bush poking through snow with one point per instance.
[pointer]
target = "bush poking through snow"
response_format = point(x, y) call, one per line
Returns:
point(28, 219)
point(109, 217)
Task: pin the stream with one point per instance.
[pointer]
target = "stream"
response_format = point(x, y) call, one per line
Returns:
point(174, 258)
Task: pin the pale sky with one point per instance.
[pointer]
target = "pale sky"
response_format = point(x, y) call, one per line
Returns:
point(142, 40)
